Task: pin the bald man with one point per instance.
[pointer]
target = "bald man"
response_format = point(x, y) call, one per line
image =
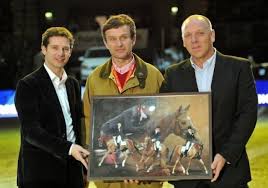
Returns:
point(234, 102)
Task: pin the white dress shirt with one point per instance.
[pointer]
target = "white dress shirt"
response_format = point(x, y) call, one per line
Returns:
point(204, 75)
point(59, 85)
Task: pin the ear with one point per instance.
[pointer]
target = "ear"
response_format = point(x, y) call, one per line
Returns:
point(105, 43)
point(183, 43)
point(134, 40)
point(187, 107)
point(44, 50)
point(180, 109)
point(213, 35)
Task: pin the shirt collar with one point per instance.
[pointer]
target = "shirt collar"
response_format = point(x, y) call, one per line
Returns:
point(207, 62)
point(54, 78)
point(125, 68)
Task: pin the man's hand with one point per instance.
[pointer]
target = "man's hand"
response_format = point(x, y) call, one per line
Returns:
point(217, 165)
point(80, 154)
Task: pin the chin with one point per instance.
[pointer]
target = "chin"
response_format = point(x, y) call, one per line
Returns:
point(122, 56)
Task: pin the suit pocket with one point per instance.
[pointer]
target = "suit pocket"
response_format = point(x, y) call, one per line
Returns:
point(42, 166)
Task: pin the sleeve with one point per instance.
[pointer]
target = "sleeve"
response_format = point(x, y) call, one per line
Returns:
point(245, 117)
point(86, 114)
point(160, 80)
point(165, 84)
point(32, 131)
point(78, 110)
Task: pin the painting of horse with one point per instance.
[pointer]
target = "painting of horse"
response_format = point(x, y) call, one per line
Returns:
point(176, 123)
point(149, 159)
point(132, 119)
point(140, 137)
point(194, 152)
point(115, 153)
point(111, 151)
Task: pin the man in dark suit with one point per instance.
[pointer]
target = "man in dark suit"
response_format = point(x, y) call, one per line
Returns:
point(234, 102)
point(48, 103)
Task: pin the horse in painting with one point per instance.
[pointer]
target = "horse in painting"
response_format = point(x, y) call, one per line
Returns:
point(149, 157)
point(124, 149)
point(194, 152)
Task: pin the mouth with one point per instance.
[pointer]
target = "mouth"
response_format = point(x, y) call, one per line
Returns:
point(120, 50)
point(60, 60)
point(196, 48)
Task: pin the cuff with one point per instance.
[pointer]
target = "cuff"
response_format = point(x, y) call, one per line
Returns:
point(70, 150)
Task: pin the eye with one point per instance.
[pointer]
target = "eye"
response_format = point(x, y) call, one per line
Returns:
point(200, 33)
point(112, 39)
point(124, 37)
point(66, 49)
point(187, 35)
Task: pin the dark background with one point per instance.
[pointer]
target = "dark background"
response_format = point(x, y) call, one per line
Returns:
point(241, 27)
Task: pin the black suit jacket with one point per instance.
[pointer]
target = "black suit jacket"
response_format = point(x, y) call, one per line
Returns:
point(234, 109)
point(44, 147)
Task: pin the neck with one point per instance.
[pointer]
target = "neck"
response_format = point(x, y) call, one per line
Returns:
point(200, 61)
point(58, 71)
point(122, 62)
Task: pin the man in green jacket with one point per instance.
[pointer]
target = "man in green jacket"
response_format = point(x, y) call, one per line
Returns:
point(123, 74)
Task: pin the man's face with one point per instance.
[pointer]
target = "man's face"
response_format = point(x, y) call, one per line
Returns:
point(119, 42)
point(198, 39)
point(57, 52)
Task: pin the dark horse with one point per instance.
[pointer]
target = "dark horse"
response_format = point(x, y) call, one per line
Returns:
point(132, 119)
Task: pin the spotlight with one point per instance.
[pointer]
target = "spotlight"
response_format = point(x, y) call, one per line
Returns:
point(49, 16)
point(174, 10)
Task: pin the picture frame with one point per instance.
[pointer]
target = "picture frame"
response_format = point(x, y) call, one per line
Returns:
point(151, 137)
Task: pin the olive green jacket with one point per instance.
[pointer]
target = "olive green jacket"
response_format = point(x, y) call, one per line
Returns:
point(146, 79)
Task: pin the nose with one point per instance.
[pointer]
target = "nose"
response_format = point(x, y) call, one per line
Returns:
point(119, 42)
point(61, 52)
point(193, 38)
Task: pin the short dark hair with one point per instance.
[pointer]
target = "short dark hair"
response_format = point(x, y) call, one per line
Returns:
point(117, 21)
point(57, 31)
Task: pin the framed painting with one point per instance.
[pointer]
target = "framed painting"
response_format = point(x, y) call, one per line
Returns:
point(155, 137)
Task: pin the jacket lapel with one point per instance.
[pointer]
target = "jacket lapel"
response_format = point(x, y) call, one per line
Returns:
point(188, 77)
point(49, 94)
point(71, 97)
point(218, 72)
point(48, 90)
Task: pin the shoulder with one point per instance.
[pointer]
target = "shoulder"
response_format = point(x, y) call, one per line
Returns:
point(179, 66)
point(75, 83)
point(232, 60)
point(141, 63)
point(152, 68)
point(32, 78)
point(102, 71)
point(30, 83)
point(73, 79)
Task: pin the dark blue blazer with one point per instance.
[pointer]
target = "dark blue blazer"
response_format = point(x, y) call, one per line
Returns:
point(44, 147)
point(234, 110)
